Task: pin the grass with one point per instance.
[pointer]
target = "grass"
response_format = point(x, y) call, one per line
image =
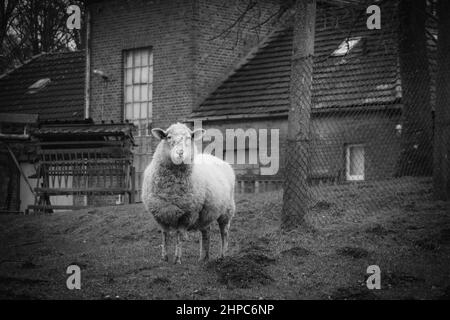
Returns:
point(394, 224)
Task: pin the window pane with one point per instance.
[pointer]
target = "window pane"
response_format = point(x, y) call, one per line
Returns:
point(150, 75)
point(145, 71)
point(356, 161)
point(143, 110)
point(128, 111)
point(150, 92)
point(129, 76)
point(129, 60)
point(136, 93)
point(138, 132)
point(144, 93)
point(151, 59)
point(137, 59)
point(144, 57)
point(136, 107)
point(129, 94)
point(137, 75)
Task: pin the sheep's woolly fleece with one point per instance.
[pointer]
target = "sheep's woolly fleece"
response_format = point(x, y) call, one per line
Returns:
point(187, 196)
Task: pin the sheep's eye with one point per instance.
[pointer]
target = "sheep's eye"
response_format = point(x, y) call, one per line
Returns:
point(169, 138)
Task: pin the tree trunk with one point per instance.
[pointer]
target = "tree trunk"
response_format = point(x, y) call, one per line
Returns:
point(441, 173)
point(296, 189)
point(417, 132)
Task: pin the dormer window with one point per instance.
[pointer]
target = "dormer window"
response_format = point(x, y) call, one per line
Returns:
point(38, 85)
point(346, 46)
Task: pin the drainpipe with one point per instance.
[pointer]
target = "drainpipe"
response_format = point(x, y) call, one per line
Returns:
point(88, 64)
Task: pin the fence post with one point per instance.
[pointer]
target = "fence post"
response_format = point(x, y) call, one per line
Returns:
point(133, 185)
point(296, 193)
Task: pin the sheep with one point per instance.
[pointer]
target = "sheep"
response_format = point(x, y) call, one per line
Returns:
point(187, 191)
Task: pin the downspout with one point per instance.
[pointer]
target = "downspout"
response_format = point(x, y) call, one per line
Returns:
point(88, 64)
point(88, 74)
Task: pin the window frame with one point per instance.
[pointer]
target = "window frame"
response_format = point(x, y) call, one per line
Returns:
point(348, 176)
point(149, 102)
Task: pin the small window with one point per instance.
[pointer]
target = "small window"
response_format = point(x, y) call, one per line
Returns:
point(346, 46)
point(355, 162)
point(138, 88)
point(38, 85)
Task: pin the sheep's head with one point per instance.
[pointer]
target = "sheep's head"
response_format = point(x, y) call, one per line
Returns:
point(178, 142)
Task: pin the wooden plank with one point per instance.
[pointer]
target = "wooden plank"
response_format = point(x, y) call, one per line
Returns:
point(100, 143)
point(108, 150)
point(56, 207)
point(70, 191)
point(4, 136)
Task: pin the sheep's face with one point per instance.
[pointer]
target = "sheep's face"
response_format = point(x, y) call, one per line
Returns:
point(178, 142)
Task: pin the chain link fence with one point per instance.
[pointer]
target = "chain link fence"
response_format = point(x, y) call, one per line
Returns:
point(372, 119)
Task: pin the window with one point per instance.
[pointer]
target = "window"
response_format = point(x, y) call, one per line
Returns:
point(38, 85)
point(138, 88)
point(346, 46)
point(355, 162)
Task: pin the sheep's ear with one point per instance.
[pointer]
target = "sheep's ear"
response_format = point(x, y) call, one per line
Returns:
point(159, 133)
point(197, 134)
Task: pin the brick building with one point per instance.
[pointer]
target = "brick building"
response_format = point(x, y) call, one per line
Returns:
point(157, 62)
point(168, 61)
point(356, 117)
point(160, 59)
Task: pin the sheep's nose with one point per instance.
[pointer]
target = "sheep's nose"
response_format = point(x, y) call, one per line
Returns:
point(180, 152)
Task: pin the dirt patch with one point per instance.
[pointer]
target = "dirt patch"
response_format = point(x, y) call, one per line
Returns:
point(296, 252)
point(248, 268)
point(353, 252)
point(353, 293)
point(430, 243)
point(11, 295)
point(322, 205)
point(378, 230)
point(446, 295)
point(445, 236)
point(21, 281)
point(28, 265)
point(240, 272)
point(398, 279)
point(161, 281)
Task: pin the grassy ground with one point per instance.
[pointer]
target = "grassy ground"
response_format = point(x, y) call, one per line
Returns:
point(394, 224)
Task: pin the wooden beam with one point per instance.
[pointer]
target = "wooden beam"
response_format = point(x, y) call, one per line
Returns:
point(70, 191)
point(4, 136)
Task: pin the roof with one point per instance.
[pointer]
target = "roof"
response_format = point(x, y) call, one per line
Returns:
point(84, 128)
point(368, 75)
point(60, 98)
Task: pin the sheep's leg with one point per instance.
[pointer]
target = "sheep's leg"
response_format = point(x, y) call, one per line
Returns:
point(165, 240)
point(224, 226)
point(178, 246)
point(204, 244)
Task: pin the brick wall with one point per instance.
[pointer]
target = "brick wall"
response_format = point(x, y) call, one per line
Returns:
point(187, 64)
point(376, 131)
point(163, 25)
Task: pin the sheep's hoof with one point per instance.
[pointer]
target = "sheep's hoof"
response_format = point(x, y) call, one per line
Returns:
point(177, 260)
point(165, 258)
